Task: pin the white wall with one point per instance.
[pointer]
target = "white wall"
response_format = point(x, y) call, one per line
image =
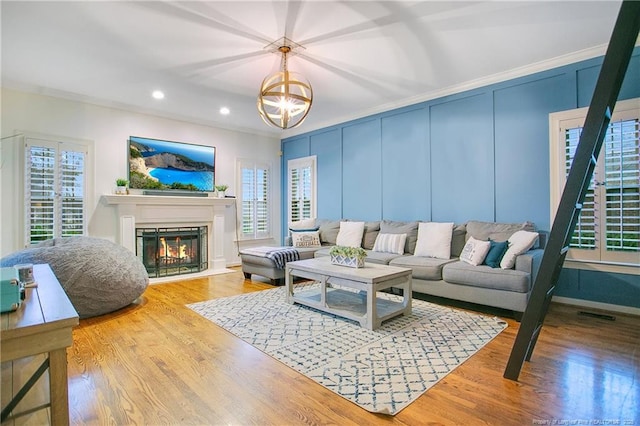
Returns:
point(109, 129)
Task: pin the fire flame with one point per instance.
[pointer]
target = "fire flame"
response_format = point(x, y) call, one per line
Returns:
point(175, 251)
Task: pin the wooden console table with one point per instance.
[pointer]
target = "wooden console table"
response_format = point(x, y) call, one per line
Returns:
point(43, 324)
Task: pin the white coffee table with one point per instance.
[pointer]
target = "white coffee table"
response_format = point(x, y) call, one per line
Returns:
point(356, 295)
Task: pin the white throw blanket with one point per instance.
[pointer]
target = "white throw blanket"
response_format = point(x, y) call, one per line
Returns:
point(279, 255)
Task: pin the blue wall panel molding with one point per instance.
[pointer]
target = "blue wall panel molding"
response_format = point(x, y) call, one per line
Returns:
point(481, 154)
point(603, 287)
point(406, 188)
point(327, 147)
point(361, 171)
point(522, 146)
point(462, 160)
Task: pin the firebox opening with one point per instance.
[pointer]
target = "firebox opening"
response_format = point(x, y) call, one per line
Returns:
point(172, 251)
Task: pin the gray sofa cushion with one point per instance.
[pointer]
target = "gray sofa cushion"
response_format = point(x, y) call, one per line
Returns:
point(328, 230)
point(424, 268)
point(372, 256)
point(458, 240)
point(380, 257)
point(409, 228)
point(487, 277)
point(371, 231)
point(496, 231)
point(323, 252)
point(305, 253)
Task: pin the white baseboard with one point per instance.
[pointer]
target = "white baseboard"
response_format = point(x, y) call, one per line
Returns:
point(597, 305)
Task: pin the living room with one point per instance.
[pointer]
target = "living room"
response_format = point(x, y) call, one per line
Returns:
point(363, 166)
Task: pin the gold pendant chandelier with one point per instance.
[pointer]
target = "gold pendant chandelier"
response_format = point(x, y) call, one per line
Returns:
point(285, 97)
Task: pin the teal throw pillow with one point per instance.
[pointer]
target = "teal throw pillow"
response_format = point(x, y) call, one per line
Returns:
point(496, 251)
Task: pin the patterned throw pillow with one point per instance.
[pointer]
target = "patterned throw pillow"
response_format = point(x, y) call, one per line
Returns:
point(390, 243)
point(305, 239)
point(475, 251)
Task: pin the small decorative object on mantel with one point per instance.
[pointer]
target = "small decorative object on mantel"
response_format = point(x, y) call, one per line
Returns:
point(348, 256)
point(122, 188)
point(221, 189)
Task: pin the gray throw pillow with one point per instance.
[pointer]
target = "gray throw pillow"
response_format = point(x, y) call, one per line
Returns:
point(371, 231)
point(328, 230)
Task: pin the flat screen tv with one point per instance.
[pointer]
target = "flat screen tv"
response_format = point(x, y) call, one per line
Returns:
point(156, 164)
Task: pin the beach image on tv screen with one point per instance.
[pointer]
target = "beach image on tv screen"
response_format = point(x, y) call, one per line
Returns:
point(159, 164)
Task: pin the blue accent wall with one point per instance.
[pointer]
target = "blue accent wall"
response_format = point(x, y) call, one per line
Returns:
point(327, 147)
point(481, 154)
point(362, 171)
point(405, 158)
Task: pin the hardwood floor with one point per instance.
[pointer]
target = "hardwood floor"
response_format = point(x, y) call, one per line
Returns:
point(157, 362)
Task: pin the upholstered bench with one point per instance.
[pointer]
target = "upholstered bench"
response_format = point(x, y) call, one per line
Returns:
point(266, 267)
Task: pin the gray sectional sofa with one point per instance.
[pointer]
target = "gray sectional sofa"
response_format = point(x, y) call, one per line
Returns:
point(448, 278)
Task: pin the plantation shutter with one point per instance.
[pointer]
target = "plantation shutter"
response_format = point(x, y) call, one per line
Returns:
point(622, 183)
point(41, 189)
point(55, 190)
point(262, 202)
point(254, 184)
point(584, 236)
point(608, 228)
point(301, 189)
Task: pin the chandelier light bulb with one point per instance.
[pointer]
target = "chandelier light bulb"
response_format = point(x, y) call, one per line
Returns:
point(285, 97)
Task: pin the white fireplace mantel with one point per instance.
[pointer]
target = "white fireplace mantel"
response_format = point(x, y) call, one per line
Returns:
point(137, 211)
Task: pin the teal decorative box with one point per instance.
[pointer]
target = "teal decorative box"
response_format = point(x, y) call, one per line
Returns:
point(12, 290)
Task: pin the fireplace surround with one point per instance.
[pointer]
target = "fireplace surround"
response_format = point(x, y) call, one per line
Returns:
point(152, 211)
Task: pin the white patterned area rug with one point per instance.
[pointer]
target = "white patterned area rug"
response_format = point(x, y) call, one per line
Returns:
point(383, 370)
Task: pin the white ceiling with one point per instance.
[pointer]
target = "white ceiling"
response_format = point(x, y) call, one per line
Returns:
point(361, 57)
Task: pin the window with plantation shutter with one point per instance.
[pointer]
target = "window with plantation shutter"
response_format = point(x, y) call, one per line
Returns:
point(254, 196)
point(301, 188)
point(55, 182)
point(608, 228)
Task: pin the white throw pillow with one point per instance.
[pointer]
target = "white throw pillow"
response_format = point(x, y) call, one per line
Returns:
point(303, 224)
point(390, 243)
point(475, 251)
point(306, 239)
point(434, 240)
point(519, 242)
point(350, 234)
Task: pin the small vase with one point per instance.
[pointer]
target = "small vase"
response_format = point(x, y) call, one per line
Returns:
point(221, 194)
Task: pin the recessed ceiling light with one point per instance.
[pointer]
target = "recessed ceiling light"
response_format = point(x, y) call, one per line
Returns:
point(225, 111)
point(158, 94)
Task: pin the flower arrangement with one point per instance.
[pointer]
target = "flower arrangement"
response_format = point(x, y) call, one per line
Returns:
point(222, 187)
point(348, 256)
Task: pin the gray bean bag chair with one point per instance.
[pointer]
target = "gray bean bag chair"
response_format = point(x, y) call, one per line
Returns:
point(98, 276)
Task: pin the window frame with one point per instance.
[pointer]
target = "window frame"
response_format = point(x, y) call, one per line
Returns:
point(599, 259)
point(299, 164)
point(58, 144)
point(242, 164)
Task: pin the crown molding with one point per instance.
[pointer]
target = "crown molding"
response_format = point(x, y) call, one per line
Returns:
point(523, 71)
point(76, 97)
